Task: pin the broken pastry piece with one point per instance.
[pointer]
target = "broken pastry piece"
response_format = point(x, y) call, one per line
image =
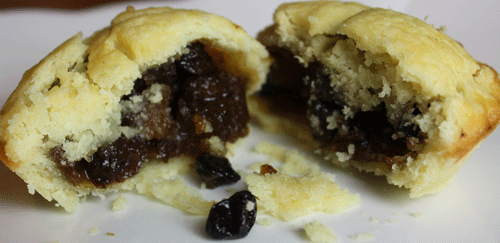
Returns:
point(379, 90)
point(155, 85)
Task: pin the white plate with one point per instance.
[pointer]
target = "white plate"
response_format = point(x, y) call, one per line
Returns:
point(466, 211)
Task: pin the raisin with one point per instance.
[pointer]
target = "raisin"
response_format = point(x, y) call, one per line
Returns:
point(232, 218)
point(116, 162)
point(197, 61)
point(215, 171)
point(113, 163)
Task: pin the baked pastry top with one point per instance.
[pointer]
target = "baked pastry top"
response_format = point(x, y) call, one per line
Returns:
point(382, 91)
point(149, 76)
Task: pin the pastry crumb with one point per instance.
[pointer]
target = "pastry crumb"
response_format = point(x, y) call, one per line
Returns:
point(166, 184)
point(366, 236)
point(203, 186)
point(264, 221)
point(110, 234)
point(374, 220)
point(417, 214)
point(298, 188)
point(94, 231)
point(389, 221)
point(318, 232)
point(119, 203)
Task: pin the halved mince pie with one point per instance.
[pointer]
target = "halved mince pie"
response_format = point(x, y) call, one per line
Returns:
point(379, 90)
point(157, 84)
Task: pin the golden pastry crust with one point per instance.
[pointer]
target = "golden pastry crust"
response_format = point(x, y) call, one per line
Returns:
point(380, 57)
point(72, 96)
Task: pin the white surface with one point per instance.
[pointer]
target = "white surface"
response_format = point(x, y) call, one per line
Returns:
point(467, 211)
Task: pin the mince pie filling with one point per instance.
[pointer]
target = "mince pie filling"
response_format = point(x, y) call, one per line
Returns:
point(175, 107)
point(373, 136)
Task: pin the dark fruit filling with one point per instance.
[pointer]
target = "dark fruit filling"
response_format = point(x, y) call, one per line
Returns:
point(232, 218)
point(373, 136)
point(113, 163)
point(215, 170)
point(285, 78)
point(369, 131)
point(199, 101)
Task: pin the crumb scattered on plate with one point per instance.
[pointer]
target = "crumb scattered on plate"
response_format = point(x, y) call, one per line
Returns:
point(365, 236)
point(166, 184)
point(110, 234)
point(297, 188)
point(264, 221)
point(417, 214)
point(318, 232)
point(389, 221)
point(94, 231)
point(119, 203)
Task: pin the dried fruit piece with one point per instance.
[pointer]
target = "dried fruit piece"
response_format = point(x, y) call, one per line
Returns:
point(215, 170)
point(232, 218)
point(196, 61)
point(109, 164)
point(267, 169)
